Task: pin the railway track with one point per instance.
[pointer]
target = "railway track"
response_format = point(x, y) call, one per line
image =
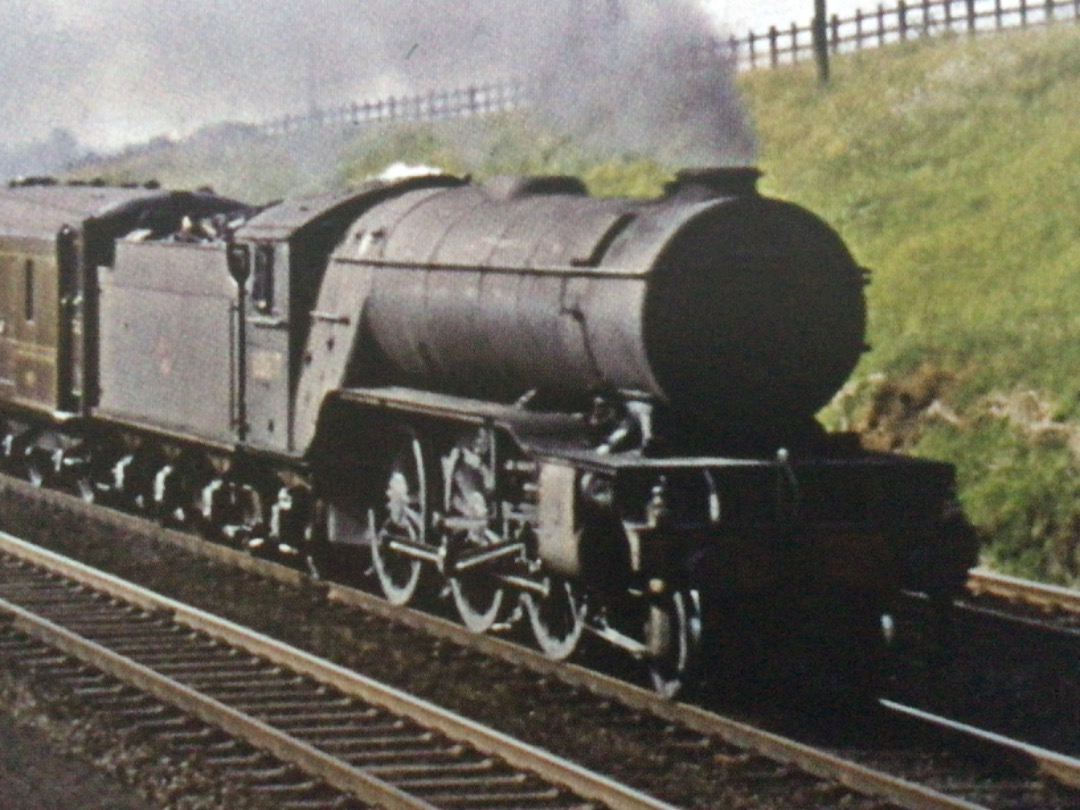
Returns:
point(1046, 609)
point(354, 735)
point(1030, 772)
point(1036, 594)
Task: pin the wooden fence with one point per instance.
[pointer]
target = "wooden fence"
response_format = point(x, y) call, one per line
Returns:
point(905, 21)
point(432, 106)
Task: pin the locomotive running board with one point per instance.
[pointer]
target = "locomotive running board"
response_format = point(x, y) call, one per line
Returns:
point(537, 431)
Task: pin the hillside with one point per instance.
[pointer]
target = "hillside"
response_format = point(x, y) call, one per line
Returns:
point(953, 170)
point(951, 167)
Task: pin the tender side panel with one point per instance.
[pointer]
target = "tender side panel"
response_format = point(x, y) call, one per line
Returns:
point(29, 302)
point(168, 339)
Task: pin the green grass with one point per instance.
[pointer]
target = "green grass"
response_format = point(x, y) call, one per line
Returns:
point(952, 169)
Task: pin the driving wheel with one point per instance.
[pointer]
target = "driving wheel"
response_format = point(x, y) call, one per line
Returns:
point(402, 520)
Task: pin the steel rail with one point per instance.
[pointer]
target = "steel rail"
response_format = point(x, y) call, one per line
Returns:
point(808, 759)
point(982, 581)
point(813, 761)
point(1063, 769)
point(554, 769)
point(337, 773)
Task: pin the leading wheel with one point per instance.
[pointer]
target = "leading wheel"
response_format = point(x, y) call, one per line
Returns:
point(470, 518)
point(556, 618)
point(402, 521)
point(672, 640)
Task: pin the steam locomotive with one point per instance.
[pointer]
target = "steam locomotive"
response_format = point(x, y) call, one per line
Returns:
point(592, 418)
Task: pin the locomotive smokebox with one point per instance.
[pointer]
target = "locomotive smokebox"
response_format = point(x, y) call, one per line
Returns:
point(730, 310)
point(755, 314)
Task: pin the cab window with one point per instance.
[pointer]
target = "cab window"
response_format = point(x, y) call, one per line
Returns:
point(262, 289)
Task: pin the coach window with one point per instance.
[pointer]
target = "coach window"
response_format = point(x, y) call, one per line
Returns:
point(28, 304)
point(262, 289)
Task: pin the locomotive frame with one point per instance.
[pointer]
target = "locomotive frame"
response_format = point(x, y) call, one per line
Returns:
point(477, 390)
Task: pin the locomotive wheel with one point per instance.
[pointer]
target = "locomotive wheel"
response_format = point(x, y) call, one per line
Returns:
point(672, 637)
point(172, 498)
point(231, 511)
point(478, 596)
point(478, 600)
point(7, 444)
point(133, 479)
point(404, 518)
point(556, 619)
point(86, 477)
point(38, 467)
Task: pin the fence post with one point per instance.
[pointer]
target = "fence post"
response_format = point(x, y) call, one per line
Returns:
point(773, 55)
point(926, 17)
point(881, 25)
point(998, 21)
point(858, 29)
point(819, 36)
point(971, 16)
point(1050, 10)
point(901, 19)
point(1023, 13)
point(835, 37)
point(794, 43)
point(948, 16)
point(752, 38)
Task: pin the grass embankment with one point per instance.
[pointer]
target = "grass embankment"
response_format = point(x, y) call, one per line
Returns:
point(951, 167)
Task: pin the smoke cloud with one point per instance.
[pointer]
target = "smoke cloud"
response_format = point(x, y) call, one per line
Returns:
point(617, 72)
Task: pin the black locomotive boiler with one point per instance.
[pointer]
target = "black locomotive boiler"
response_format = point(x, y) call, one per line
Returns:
point(594, 417)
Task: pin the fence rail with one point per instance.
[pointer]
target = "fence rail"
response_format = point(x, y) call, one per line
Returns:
point(777, 47)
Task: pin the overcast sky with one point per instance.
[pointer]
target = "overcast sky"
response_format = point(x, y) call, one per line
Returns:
point(740, 16)
point(116, 71)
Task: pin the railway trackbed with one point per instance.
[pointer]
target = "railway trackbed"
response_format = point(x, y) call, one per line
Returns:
point(354, 735)
point(1015, 781)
